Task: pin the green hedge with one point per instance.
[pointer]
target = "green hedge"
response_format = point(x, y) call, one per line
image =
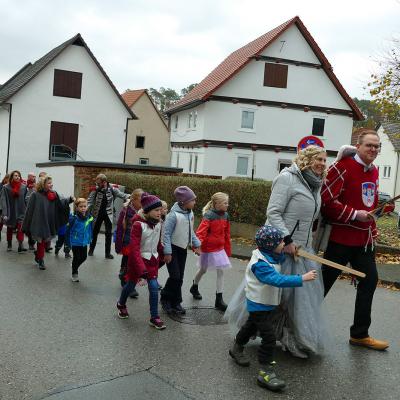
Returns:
point(247, 199)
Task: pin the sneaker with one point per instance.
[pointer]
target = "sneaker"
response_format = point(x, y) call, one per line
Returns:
point(134, 294)
point(21, 249)
point(178, 309)
point(75, 278)
point(268, 379)
point(122, 311)
point(157, 323)
point(109, 257)
point(9, 247)
point(166, 305)
point(67, 255)
point(370, 343)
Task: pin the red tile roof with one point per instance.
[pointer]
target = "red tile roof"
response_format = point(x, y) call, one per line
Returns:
point(132, 96)
point(241, 57)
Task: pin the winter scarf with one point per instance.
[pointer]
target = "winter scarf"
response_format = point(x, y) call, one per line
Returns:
point(30, 184)
point(314, 181)
point(51, 196)
point(15, 188)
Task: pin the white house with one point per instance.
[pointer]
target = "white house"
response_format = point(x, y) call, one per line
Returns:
point(247, 116)
point(62, 106)
point(388, 158)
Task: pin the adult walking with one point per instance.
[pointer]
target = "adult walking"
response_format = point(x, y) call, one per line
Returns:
point(349, 194)
point(3, 182)
point(13, 207)
point(101, 206)
point(45, 213)
point(293, 207)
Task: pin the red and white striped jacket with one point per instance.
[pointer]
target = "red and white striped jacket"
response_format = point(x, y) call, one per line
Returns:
point(350, 186)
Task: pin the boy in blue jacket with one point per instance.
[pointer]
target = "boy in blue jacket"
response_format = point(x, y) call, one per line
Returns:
point(79, 235)
point(263, 294)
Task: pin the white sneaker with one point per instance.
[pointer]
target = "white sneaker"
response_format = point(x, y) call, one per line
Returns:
point(75, 278)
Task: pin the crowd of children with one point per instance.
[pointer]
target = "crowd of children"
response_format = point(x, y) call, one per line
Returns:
point(147, 237)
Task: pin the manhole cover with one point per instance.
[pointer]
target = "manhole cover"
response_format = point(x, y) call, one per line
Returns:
point(200, 316)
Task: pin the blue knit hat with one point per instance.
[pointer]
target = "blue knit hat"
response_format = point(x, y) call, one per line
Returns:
point(268, 238)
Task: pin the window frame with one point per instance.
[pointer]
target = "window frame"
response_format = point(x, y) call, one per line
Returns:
point(244, 156)
point(136, 142)
point(248, 110)
point(147, 161)
point(323, 127)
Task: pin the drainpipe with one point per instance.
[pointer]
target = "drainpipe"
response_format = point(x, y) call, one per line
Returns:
point(9, 134)
point(397, 172)
point(126, 136)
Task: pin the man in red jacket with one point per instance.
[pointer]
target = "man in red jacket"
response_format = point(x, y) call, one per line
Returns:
point(348, 195)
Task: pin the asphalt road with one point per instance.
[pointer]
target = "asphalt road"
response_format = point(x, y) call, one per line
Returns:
point(61, 340)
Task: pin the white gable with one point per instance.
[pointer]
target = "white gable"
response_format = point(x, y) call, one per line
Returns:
point(292, 46)
point(305, 85)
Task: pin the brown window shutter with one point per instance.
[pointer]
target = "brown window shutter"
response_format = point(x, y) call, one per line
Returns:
point(275, 75)
point(64, 133)
point(67, 84)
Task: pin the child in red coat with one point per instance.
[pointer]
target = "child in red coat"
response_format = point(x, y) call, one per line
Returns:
point(214, 234)
point(145, 250)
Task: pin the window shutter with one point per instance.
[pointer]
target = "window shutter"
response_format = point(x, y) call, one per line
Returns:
point(67, 84)
point(275, 75)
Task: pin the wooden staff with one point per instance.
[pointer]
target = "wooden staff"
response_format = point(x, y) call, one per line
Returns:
point(302, 253)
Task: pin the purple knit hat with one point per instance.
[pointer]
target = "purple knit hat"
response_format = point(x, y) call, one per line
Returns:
point(184, 194)
point(149, 202)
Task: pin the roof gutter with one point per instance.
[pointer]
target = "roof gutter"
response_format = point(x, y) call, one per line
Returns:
point(192, 104)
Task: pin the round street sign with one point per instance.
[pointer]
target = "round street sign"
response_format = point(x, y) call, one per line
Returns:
point(309, 141)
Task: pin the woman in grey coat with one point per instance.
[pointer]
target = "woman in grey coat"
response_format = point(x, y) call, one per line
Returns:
point(45, 213)
point(12, 200)
point(293, 207)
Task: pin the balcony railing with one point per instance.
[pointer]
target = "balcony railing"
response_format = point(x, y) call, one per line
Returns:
point(62, 152)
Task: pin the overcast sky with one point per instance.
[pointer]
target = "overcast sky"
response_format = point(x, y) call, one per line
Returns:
point(153, 43)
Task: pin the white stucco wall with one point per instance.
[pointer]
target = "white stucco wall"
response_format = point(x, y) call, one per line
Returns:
point(305, 85)
point(292, 46)
point(183, 133)
point(63, 179)
point(4, 120)
point(275, 126)
point(223, 162)
point(100, 114)
point(387, 157)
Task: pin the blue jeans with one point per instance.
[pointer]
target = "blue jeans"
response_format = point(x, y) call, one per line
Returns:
point(153, 295)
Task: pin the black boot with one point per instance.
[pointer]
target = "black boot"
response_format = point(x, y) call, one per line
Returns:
point(219, 302)
point(9, 245)
point(21, 248)
point(195, 291)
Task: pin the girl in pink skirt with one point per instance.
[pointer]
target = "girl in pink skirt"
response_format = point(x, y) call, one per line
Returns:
point(214, 234)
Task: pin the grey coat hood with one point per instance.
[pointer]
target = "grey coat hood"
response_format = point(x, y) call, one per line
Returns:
point(293, 200)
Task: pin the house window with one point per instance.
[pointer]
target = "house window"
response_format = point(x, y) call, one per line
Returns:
point(247, 120)
point(63, 140)
point(190, 120)
point(283, 164)
point(242, 165)
point(190, 162)
point(386, 171)
point(139, 142)
point(195, 119)
point(195, 163)
point(143, 161)
point(275, 75)
point(67, 84)
point(176, 122)
point(318, 126)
